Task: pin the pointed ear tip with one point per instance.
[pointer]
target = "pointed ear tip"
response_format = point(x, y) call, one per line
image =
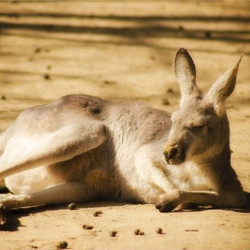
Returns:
point(240, 59)
point(238, 62)
point(181, 51)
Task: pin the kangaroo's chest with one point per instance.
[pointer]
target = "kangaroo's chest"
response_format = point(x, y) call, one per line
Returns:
point(189, 176)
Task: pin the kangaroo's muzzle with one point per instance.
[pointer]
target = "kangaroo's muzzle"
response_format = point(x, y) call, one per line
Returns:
point(174, 154)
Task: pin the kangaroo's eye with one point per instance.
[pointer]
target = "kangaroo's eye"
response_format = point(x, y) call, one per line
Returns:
point(197, 128)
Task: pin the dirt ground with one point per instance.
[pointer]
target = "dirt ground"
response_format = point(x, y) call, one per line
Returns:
point(124, 50)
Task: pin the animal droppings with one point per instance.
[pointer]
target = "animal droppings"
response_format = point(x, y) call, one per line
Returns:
point(87, 227)
point(113, 233)
point(97, 213)
point(62, 245)
point(3, 97)
point(37, 50)
point(46, 76)
point(138, 232)
point(170, 90)
point(165, 102)
point(33, 247)
point(72, 206)
point(108, 82)
point(159, 231)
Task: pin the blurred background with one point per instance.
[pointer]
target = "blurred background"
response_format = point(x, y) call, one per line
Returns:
point(114, 49)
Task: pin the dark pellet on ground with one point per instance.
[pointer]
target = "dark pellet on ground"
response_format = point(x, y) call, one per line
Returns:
point(3, 97)
point(46, 76)
point(72, 206)
point(191, 230)
point(62, 245)
point(165, 101)
point(33, 247)
point(87, 227)
point(113, 233)
point(170, 90)
point(108, 82)
point(159, 231)
point(138, 232)
point(97, 213)
point(37, 50)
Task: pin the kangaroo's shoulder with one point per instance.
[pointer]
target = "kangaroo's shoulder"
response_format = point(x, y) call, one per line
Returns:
point(149, 122)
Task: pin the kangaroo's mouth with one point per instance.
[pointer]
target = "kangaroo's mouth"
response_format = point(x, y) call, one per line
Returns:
point(175, 161)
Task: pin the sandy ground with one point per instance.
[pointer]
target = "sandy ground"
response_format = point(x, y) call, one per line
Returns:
point(123, 51)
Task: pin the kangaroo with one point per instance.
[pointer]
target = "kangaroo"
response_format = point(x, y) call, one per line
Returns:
point(82, 148)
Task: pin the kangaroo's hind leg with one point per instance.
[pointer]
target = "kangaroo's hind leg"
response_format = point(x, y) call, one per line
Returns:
point(22, 153)
point(62, 193)
point(63, 144)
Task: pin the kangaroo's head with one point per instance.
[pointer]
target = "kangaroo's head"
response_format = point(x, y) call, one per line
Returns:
point(200, 127)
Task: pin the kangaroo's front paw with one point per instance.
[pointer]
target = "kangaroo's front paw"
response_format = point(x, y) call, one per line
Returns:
point(169, 201)
point(3, 218)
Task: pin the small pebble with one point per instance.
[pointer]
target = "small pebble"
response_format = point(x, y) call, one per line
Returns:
point(159, 230)
point(72, 206)
point(113, 233)
point(87, 227)
point(62, 245)
point(97, 213)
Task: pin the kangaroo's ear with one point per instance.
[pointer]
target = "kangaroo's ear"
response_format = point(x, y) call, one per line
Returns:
point(224, 85)
point(186, 74)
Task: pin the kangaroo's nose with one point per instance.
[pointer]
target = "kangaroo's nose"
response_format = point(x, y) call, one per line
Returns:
point(170, 154)
point(174, 154)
